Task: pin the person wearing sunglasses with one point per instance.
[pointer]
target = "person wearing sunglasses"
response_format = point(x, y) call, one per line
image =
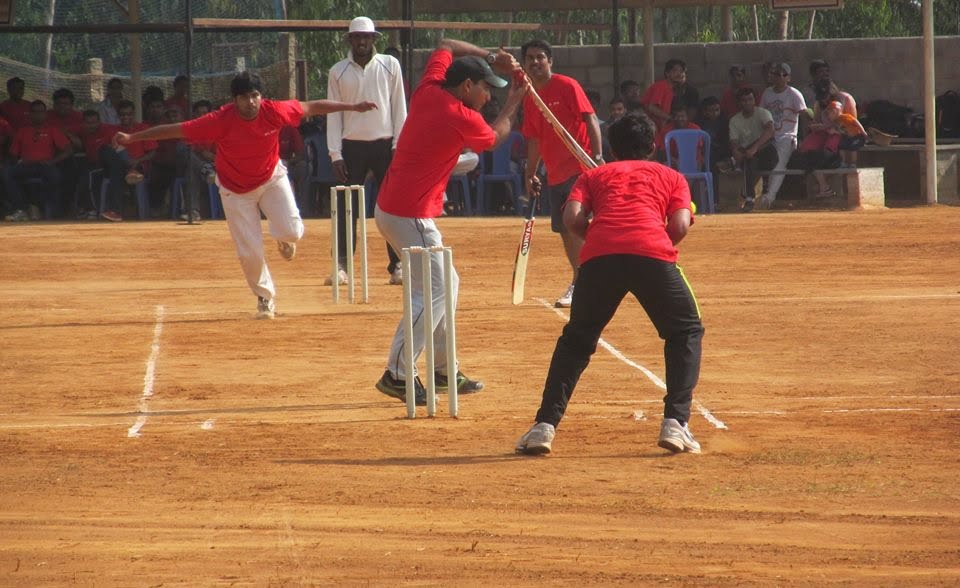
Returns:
point(788, 108)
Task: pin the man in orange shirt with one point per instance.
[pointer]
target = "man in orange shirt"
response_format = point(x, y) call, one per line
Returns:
point(39, 148)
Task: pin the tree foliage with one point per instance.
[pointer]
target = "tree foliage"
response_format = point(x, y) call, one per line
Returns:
point(165, 53)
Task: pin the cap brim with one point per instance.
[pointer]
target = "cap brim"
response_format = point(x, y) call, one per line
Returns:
point(496, 82)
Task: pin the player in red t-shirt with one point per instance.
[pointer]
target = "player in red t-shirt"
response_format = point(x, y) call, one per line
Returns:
point(442, 121)
point(251, 177)
point(567, 100)
point(94, 136)
point(640, 210)
point(39, 149)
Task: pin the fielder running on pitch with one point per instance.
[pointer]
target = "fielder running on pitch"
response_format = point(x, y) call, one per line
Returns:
point(250, 174)
point(443, 120)
point(641, 210)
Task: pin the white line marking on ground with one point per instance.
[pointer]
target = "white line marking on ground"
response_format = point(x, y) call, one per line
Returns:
point(849, 298)
point(893, 410)
point(149, 375)
point(207, 425)
point(653, 377)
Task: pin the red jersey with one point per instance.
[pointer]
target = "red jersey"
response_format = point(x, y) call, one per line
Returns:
point(38, 144)
point(630, 201)
point(16, 113)
point(567, 101)
point(659, 94)
point(93, 142)
point(72, 123)
point(140, 148)
point(438, 128)
point(291, 142)
point(247, 150)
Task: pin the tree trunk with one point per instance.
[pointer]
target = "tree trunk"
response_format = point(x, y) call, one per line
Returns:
point(756, 22)
point(664, 30)
point(48, 42)
point(783, 25)
point(813, 19)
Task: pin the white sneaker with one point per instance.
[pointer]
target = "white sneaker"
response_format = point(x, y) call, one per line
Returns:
point(566, 300)
point(287, 250)
point(677, 439)
point(341, 278)
point(266, 309)
point(396, 278)
point(537, 440)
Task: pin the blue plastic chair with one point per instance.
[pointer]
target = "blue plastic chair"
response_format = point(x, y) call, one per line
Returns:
point(143, 200)
point(500, 172)
point(692, 160)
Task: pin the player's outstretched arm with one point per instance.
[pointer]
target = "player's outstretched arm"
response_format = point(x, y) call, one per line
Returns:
point(157, 133)
point(317, 107)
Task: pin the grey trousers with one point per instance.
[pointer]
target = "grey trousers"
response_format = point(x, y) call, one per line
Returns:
point(401, 232)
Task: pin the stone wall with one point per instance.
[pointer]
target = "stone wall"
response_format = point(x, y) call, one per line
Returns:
point(867, 68)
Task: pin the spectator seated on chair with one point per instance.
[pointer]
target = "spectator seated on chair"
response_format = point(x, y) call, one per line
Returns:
point(70, 122)
point(678, 120)
point(820, 148)
point(169, 162)
point(123, 167)
point(39, 149)
point(751, 143)
point(93, 135)
point(717, 126)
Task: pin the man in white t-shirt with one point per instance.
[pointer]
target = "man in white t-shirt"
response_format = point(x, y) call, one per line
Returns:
point(751, 146)
point(787, 107)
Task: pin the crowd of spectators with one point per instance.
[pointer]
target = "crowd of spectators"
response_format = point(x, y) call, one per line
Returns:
point(56, 162)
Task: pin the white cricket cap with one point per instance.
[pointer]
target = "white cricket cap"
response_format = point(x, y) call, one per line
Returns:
point(362, 24)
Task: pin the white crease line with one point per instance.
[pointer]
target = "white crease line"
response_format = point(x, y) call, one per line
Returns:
point(851, 298)
point(60, 425)
point(149, 375)
point(894, 410)
point(652, 376)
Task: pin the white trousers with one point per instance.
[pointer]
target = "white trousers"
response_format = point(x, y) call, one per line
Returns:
point(276, 199)
point(403, 232)
point(785, 146)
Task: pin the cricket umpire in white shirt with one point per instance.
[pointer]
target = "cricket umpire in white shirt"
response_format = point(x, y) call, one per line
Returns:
point(362, 144)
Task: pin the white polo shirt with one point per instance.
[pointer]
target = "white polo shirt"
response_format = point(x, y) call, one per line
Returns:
point(380, 82)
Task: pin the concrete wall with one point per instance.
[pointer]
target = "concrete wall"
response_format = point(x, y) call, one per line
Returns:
point(867, 68)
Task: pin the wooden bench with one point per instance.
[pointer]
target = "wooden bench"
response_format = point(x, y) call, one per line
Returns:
point(858, 187)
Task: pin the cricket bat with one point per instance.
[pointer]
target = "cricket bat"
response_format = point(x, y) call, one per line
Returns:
point(523, 255)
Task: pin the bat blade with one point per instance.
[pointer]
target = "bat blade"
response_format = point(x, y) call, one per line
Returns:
point(523, 258)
